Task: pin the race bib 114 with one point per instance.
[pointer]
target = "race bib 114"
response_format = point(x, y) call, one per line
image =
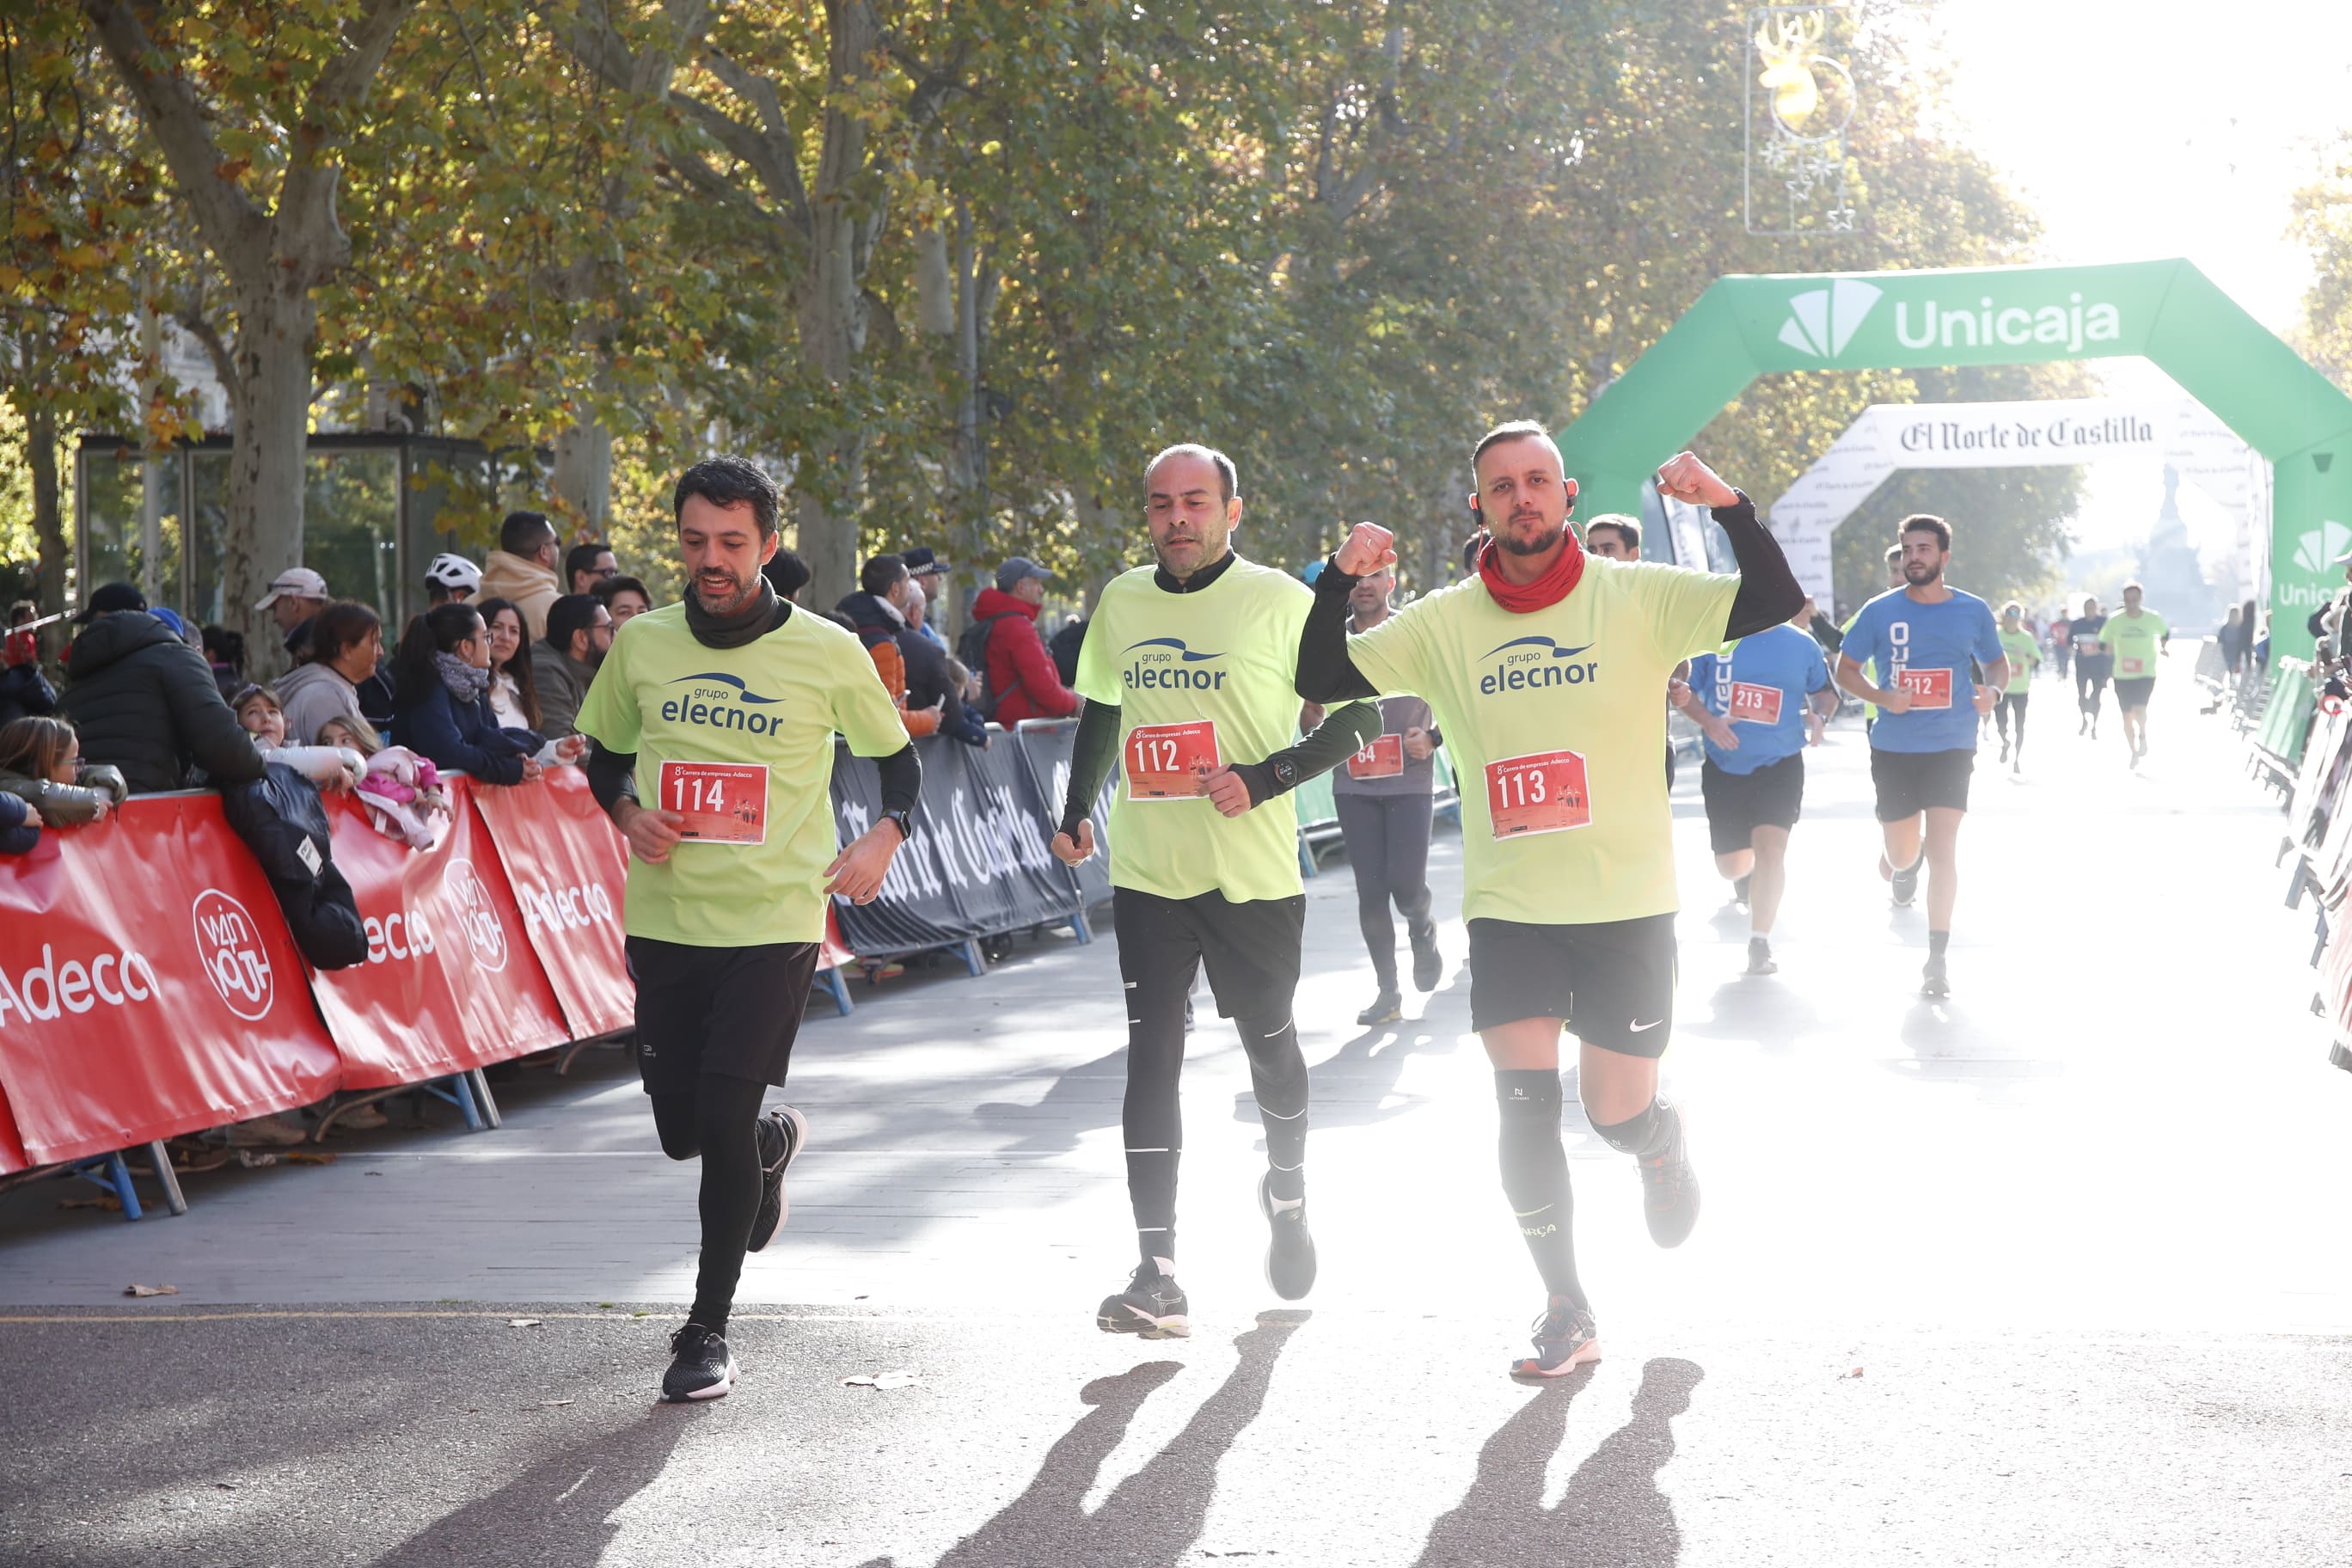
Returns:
point(723, 802)
point(1540, 793)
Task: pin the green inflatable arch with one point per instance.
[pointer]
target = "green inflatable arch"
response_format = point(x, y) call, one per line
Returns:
point(1743, 327)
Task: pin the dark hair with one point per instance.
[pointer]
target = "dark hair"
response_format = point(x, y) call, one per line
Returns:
point(844, 622)
point(582, 558)
point(730, 481)
point(33, 746)
point(1471, 547)
point(1630, 527)
point(881, 575)
point(437, 630)
point(571, 613)
point(343, 624)
point(786, 572)
point(614, 586)
point(22, 610)
point(517, 665)
point(1229, 484)
point(223, 646)
point(1928, 523)
point(523, 533)
point(1510, 430)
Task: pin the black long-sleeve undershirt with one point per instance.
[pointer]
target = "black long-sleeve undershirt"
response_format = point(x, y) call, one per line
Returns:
point(1343, 733)
point(1769, 594)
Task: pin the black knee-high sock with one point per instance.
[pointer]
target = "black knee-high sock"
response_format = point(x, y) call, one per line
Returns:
point(1278, 1078)
point(1646, 1135)
point(1154, 1122)
point(720, 1123)
point(1535, 1174)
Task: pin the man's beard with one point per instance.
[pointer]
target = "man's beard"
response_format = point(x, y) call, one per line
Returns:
point(1920, 574)
point(745, 590)
point(1514, 546)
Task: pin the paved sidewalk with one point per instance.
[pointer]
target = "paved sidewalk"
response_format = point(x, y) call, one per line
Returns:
point(2080, 1225)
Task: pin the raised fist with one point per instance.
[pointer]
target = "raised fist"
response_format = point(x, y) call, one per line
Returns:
point(1369, 548)
point(1686, 479)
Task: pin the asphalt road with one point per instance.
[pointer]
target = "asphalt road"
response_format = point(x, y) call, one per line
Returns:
point(2054, 1272)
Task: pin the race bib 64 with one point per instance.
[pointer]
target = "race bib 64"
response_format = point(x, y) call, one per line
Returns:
point(1382, 758)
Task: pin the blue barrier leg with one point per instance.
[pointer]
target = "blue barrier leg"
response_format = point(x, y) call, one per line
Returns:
point(839, 986)
point(973, 958)
point(118, 1177)
point(458, 1091)
point(1079, 928)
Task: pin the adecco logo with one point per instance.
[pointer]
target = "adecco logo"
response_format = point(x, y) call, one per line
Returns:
point(563, 909)
point(50, 987)
point(228, 945)
point(401, 934)
point(1821, 322)
point(470, 899)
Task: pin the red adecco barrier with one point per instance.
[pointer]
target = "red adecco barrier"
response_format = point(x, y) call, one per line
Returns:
point(148, 986)
point(450, 982)
point(567, 864)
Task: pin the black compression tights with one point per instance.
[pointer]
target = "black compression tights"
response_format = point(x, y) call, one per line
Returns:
point(720, 1123)
point(1153, 1118)
point(1388, 848)
point(1535, 1174)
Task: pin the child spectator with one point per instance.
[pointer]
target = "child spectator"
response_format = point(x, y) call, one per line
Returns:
point(40, 762)
point(329, 766)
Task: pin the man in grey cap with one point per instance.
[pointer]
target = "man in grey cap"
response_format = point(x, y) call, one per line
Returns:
point(296, 594)
point(1019, 680)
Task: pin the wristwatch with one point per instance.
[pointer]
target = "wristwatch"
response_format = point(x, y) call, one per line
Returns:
point(906, 822)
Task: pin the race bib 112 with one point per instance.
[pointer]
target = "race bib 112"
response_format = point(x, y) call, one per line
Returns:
point(1167, 762)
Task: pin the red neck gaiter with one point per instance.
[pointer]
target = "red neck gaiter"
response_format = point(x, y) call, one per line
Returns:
point(1557, 582)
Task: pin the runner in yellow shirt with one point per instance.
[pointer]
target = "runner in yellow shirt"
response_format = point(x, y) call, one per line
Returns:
point(2025, 650)
point(2136, 638)
point(1543, 671)
point(1189, 670)
point(720, 712)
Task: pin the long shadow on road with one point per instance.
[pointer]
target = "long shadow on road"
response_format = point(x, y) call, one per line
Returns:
point(1152, 1518)
point(1613, 1514)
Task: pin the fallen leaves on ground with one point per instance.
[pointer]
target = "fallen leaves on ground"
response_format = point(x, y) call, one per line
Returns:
point(901, 1379)
point(151, 1290)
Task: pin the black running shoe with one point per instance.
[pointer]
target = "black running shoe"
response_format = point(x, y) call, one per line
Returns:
point(1290, 1254)
point(701, 1366)
point(2004, 748)
point(1670, 1187)
point(1740, 889)
point(1152, 1307)
point(1933, 983)
point(1760, 957)
point(1386, 1008)
point(1564, 1340)
point(1905, 883)
point(784, 1134)
point(1428, 963)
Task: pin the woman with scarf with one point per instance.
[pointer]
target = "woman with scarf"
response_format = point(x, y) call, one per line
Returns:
point(441, 685)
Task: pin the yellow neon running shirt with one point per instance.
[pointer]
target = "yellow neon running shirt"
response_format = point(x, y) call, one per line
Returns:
point(1585, 678)
point(2134, 640)
point(1209, 676)
point(775, 702)
point(2023, 654)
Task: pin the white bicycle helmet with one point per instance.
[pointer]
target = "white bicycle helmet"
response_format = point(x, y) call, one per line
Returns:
point(455, 573)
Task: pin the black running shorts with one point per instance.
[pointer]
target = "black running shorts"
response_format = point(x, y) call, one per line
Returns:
point(1912, 782)
point(2134, 693)
point(728, 1010)
point(1739, 804)
point(1612, 980)
point(1250, 948)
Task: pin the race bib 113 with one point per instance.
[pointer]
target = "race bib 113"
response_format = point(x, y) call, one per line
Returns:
point(1540, 793)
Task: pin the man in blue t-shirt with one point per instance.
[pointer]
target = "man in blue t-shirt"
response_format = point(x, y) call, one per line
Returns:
point(1925, 744)
point(1760, 704)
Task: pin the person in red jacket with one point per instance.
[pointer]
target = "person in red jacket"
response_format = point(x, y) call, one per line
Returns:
point(1020, 678)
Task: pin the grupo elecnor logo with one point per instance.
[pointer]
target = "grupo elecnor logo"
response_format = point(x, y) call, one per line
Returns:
point(470, 900)
point(228, 944)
